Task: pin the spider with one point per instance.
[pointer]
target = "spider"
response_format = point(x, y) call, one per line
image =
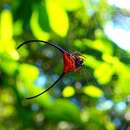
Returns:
point(72, 62)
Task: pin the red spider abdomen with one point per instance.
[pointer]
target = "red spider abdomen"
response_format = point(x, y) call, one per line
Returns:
point(69, 63)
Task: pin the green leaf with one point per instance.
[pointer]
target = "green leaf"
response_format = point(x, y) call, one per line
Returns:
point(58, 17)
point(28, 73)
point(68, 91)
point(36, 29)
point(93, 91)
point(9, 67)
point(122, 86)
point(43, 17)
point(91, 61)
point(71, 5)
point(8, 50)
point(100, 44)
point(18, 27)
point(6, 25)
point(104, 73)
point(7, 44)
point(63, 110)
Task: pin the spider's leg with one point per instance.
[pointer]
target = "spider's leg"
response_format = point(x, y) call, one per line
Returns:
point(30, 41)
point(60, 77)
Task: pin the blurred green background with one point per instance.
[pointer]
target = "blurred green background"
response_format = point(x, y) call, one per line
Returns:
point(96, 97)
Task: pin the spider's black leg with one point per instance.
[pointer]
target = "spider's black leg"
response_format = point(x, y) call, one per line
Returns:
point(60, 77)
point(30, 41)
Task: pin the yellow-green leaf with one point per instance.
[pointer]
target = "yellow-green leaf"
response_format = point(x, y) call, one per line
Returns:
point(7, 46)
point(71, 5)
point(58, 17)
point(91, 61)
point(100, 44)
point(18, 27)
point(6, 25)
point(104, 73)
point(68, 91)
point(28, 72)
point(9, 67)
point(36, 29)
point(93, 91)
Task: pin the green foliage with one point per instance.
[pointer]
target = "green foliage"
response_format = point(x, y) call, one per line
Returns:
point(68, 91)
point(57, 14)
point(65, 111)
point(93, 99)
point(93, 91)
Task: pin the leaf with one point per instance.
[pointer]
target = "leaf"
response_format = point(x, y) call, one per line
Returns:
point(18, 27)
point(91, 61)
point(100, 44)
point(7, 46)
point(63, 110)
point(103, 46)
point(68, 91)
point(6, 25)
point(58, 17)
point(93, 91)
point(104, 73)
point(9, 67)
point(122, 85)
point(36, 29)
point(71, 5)
point(28, 73)
point(43, 17)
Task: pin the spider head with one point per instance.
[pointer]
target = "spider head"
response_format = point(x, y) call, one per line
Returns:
point(79, 61)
